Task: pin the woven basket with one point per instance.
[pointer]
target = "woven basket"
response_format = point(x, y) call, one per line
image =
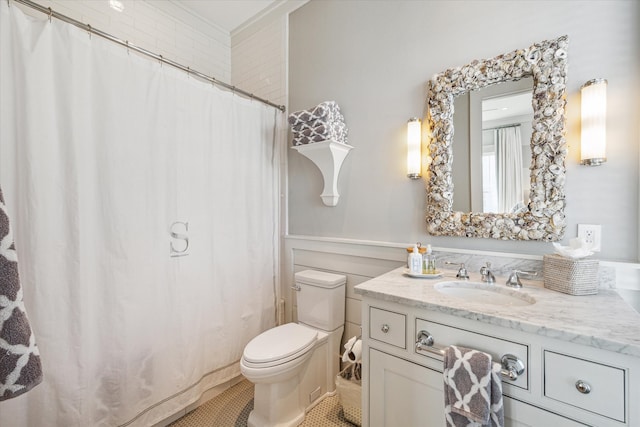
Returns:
point(350, 397)
point(570, 276)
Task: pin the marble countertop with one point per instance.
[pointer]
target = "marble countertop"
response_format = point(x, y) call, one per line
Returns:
point(603, 320)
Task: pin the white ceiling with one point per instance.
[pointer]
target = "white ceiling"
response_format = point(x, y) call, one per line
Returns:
point(226, 14)
point(503, 107)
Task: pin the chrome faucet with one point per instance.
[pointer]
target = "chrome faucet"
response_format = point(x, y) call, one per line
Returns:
point(514, 278)
point(462, 271)
point(487, 275)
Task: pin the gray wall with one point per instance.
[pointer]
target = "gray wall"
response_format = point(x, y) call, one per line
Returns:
point(375, 57)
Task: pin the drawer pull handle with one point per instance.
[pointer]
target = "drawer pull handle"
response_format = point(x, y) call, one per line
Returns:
point(583, 387)
point(425, 342)
point(385, 328)
point(512, 367)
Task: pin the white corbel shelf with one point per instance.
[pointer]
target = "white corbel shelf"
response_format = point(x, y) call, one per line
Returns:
point(328, 157)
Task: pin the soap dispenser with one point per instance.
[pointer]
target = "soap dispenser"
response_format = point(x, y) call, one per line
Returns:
point(415, 261)
point(429, 261)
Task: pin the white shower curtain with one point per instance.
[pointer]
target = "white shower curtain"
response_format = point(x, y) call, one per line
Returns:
point(101, 151)
point(509, 167)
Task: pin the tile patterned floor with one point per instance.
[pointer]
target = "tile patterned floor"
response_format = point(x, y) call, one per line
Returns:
point(231, 409)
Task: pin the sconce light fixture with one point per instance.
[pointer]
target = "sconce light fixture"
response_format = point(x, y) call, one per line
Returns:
point(594, 117)
point(414, 131)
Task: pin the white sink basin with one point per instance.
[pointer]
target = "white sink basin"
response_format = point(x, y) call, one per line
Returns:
point(484, 293)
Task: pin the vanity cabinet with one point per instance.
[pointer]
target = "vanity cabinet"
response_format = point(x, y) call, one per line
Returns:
point(564, 384)
point(403, 393)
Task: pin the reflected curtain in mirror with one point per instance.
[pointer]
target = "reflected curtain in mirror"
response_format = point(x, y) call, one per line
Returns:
point(502, 180)
point(508, 168)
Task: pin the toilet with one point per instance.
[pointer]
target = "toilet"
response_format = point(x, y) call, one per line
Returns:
point(294, 366)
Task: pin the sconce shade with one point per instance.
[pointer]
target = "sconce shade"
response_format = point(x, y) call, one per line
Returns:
point(414, 131)
point(594, 117)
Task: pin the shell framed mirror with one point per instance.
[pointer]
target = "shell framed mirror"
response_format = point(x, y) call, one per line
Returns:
point(535, 212)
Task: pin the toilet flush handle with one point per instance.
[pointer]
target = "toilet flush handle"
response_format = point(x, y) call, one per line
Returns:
point(296, 287)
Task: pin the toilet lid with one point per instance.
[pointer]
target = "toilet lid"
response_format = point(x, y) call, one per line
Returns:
point(279, 343)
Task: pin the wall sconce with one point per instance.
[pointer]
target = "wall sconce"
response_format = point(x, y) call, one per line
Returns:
point(593, 151)
point(414, 157)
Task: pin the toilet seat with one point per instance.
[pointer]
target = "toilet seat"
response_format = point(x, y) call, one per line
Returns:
point(279, 345)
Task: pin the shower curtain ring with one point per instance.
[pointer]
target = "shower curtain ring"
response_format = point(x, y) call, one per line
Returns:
point(127, 43)
point(50, 12)
point(160, 60)
point(89, 30)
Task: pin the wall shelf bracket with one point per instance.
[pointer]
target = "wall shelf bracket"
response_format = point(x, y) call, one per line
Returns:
point(328, 157)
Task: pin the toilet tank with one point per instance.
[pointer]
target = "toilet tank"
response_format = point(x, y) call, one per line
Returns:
point(321, 299)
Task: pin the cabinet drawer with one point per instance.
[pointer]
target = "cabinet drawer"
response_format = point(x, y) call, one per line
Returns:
point(444, 336)
point(606, 383)
point(388, 327)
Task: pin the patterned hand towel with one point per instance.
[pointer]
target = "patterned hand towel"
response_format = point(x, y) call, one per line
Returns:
point(320, 112)
point(20, 368)
point(334, 117)
point(336, 132)
point(472, 389)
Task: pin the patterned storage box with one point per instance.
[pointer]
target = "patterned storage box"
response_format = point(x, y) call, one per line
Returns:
point(350, 396)
point(570, 276)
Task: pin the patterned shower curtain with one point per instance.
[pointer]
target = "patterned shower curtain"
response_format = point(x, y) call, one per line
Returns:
point(144, 207)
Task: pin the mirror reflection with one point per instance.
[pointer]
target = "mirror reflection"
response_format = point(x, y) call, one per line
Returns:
point(506, 153)
point(491, 164)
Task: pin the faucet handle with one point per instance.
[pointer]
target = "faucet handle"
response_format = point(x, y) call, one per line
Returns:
point(514, 278)
point(462, 271)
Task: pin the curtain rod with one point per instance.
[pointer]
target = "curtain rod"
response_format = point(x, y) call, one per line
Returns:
point(51, 13)
point(513, 125)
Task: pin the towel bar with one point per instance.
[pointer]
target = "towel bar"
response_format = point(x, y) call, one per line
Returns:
point(512, 367)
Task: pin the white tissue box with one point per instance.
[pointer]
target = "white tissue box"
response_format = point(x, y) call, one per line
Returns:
point(570, 276)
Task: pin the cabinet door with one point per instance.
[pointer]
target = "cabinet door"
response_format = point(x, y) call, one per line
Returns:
point(404, 393)
point(409, 395)
point(519, 414)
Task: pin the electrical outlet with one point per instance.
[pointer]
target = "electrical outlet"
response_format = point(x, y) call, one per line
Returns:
point(590, 234)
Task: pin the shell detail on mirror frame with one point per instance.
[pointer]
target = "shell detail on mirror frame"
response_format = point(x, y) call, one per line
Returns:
point(546, 63)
